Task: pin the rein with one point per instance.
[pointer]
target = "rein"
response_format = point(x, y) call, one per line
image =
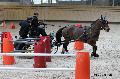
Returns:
point(88, 33)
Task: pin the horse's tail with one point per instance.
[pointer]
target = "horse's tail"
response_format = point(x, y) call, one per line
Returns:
point(59, 35)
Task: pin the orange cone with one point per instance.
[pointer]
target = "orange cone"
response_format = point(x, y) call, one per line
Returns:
point(12, 25)
point(7, 47)
point(82, 66)
point(78, 45)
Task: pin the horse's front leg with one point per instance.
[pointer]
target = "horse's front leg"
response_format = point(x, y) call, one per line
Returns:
point(94, 51)
point(93, 44)
point(65, 44)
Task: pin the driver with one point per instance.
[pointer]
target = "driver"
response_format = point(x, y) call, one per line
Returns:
point(35, 30)
point(23, 33)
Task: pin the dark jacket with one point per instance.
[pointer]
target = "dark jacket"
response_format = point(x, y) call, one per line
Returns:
point(34, 22)
point(24, 29)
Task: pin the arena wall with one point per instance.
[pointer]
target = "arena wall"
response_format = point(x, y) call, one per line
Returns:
point(74, 13)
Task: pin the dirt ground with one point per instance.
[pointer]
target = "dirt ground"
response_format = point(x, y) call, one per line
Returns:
point(107, 66)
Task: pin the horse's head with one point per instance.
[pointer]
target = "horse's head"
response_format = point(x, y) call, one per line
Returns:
point(104, 24)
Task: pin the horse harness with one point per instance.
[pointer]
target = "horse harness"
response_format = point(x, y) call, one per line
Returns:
point(88, 34)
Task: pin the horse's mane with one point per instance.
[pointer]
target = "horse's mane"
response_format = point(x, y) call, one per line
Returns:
point(94, 21)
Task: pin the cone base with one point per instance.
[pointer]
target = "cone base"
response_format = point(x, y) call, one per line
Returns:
point(48, 59)
point(8, 60)
point(39, 65)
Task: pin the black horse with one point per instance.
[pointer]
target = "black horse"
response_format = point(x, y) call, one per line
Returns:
point(86, 34)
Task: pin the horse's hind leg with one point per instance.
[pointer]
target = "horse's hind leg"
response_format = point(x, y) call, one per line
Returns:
point(65, 44)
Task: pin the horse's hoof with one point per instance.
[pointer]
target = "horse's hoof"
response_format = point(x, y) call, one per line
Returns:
point(62, 52)
point(25, 57)
point(94, 55)
point(59, 44)
point(66, 50)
